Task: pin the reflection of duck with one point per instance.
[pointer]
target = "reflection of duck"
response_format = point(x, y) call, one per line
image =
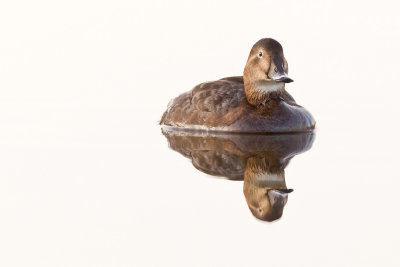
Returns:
point(254, 103)
point(265, 188)
point(259, 160)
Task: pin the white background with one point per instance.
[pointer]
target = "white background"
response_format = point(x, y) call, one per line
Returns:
point(87, 179)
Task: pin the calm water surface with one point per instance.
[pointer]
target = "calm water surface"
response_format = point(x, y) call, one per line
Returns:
point(304, 199)
point(87, 188)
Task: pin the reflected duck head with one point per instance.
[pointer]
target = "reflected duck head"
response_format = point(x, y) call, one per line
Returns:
point(265, 189)
point(267, 204)
point(266, 71)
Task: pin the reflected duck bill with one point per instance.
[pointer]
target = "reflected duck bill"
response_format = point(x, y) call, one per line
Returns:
point(277, 197)
point(284, 190)
point(277, 200)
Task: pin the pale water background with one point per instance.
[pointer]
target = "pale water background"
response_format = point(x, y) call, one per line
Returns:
point(87, 178)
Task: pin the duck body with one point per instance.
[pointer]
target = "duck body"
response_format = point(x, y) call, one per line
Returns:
point(256, 102)
point(222, 106)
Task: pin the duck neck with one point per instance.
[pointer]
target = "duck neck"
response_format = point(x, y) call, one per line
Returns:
point(261, 91)
point(260, 172)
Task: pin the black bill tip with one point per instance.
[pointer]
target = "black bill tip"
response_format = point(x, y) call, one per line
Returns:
point(284, 79)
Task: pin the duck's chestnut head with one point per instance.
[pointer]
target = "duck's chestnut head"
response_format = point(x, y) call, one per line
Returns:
point(266, 70)
point(266, 62)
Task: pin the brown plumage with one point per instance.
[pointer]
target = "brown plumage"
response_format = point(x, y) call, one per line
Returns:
point(254, 103)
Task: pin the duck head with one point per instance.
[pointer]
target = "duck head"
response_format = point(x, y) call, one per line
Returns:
point(265, 72)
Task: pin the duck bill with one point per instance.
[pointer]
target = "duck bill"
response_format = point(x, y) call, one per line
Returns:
point(282, 78)
point(277, 72)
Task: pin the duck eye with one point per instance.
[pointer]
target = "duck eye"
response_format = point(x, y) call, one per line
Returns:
point(260, 54)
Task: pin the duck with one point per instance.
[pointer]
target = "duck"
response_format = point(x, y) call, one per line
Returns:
point(256, 102)
point(259, 160)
